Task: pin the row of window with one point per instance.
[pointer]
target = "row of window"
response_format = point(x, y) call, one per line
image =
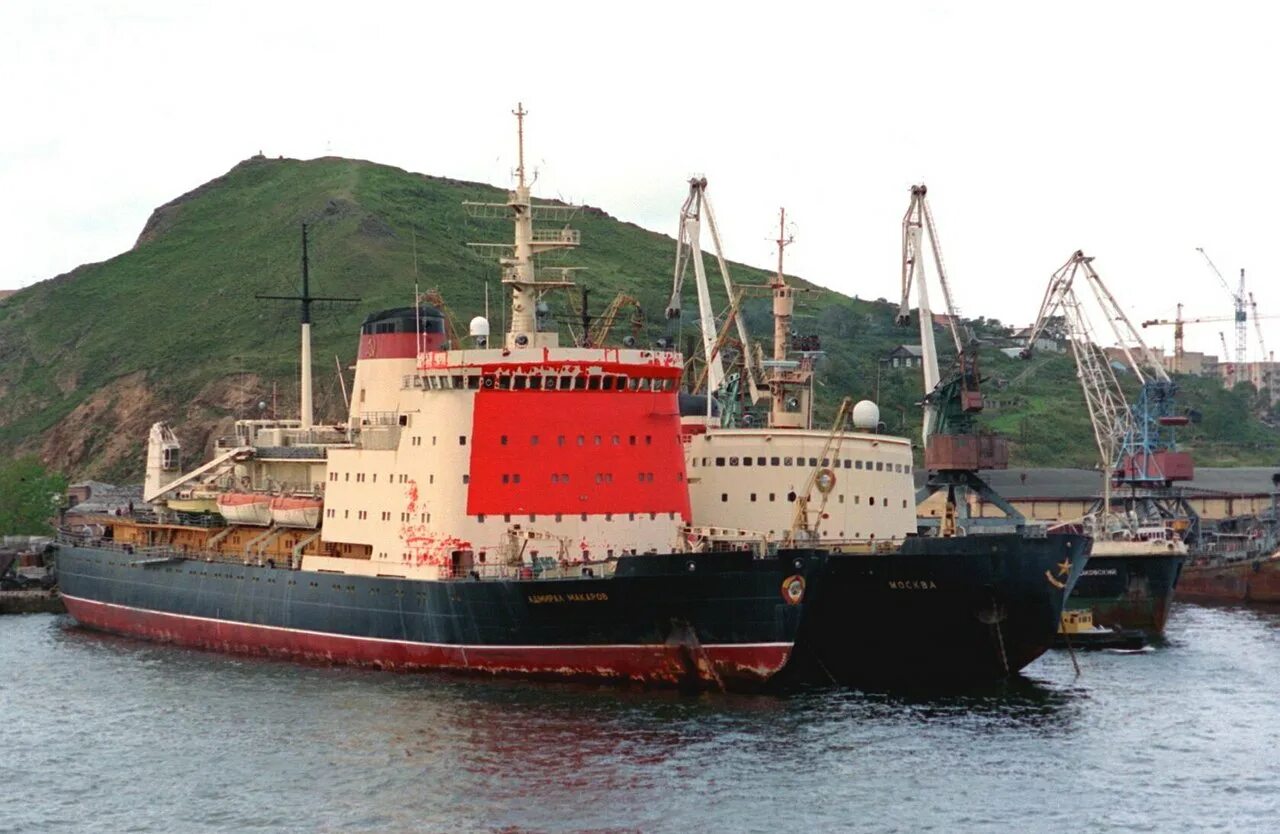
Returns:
point(540, 382)
point(879, 465)
point(791, 496)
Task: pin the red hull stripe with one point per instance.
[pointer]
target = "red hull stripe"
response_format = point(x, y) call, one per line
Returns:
point(746, 663)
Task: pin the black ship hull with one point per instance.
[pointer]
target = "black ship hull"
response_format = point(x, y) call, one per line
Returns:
point(1130, 592)
point(720, 620)
point(937, 611)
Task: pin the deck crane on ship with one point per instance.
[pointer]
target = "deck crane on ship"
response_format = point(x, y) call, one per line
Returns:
point(954, 449)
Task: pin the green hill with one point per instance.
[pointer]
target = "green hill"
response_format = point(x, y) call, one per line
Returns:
point(171, 330)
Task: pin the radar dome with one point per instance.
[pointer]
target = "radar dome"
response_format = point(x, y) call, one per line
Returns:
point(479, 326)
point(866, 415)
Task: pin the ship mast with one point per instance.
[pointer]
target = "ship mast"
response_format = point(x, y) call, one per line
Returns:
point(305, 414)
point(790, 381)
point(517, 258)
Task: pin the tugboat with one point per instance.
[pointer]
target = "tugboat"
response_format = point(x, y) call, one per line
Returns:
point(517, 509)
point(898, 604)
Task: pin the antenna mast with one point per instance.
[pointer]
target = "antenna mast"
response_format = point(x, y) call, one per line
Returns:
point(517, 258)
point(306, 299)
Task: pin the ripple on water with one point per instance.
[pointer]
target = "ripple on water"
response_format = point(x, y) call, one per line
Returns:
point(110, 734)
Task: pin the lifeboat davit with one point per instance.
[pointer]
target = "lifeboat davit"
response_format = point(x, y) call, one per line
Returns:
point(296, 511)
point(245, 508)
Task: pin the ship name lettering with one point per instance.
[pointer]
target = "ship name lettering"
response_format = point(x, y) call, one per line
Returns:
point(591, 596)
point(537, 599)
point(913, 585)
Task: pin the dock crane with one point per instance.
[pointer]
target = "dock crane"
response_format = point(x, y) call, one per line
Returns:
point(1237, 297)
point(954, 449)
point(689, 248)
point(1136, 442)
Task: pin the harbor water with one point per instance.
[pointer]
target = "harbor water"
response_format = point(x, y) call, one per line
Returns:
point(106, 734)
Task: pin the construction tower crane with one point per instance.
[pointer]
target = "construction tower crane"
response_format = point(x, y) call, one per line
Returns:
point(1136, 442)
point(1178, 323)
point(1237, 297)
point(689, 248)
point(954, 449)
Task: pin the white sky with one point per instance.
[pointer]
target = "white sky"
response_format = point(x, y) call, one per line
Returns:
point(1136, 131)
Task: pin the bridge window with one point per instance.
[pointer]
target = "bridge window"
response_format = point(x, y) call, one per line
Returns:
point(606, 384)
point(719, 461)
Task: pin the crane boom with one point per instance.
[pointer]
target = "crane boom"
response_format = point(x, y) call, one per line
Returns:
point(1135, 441)
point(689, 248)
point(1262, 346)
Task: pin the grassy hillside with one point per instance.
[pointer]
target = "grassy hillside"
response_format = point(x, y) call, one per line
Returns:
point(171, 329)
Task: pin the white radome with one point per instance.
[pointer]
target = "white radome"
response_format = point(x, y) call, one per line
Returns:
point(866, 415)
point(479, 326)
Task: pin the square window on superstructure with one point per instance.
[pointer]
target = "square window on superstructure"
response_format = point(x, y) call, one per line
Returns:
point(775, 461)
point(503, 440)
point(466, 479)
point(724, 496)
point(515, 479)
point(753, 496)
point(746, 461)
point(760, 461)
point(462, 440)
point(719, 461)
point(533, 440)
point(879, 466)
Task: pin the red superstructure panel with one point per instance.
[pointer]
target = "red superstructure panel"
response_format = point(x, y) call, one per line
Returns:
point(538, 451)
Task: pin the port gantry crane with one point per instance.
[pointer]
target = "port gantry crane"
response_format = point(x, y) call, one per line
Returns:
point(954, 449)
point(689, 249)
point(1136, 442)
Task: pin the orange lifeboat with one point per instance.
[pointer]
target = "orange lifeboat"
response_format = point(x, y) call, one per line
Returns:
point(296, 511)
point(245, 508)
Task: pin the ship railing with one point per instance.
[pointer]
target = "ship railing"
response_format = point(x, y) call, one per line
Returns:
point(544, 569)
point(163, 552)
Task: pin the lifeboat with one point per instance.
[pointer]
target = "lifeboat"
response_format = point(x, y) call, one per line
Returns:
point(245, 508)
point(296, 511)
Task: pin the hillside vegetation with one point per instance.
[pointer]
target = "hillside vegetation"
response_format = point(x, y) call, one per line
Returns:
point(171, 329)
